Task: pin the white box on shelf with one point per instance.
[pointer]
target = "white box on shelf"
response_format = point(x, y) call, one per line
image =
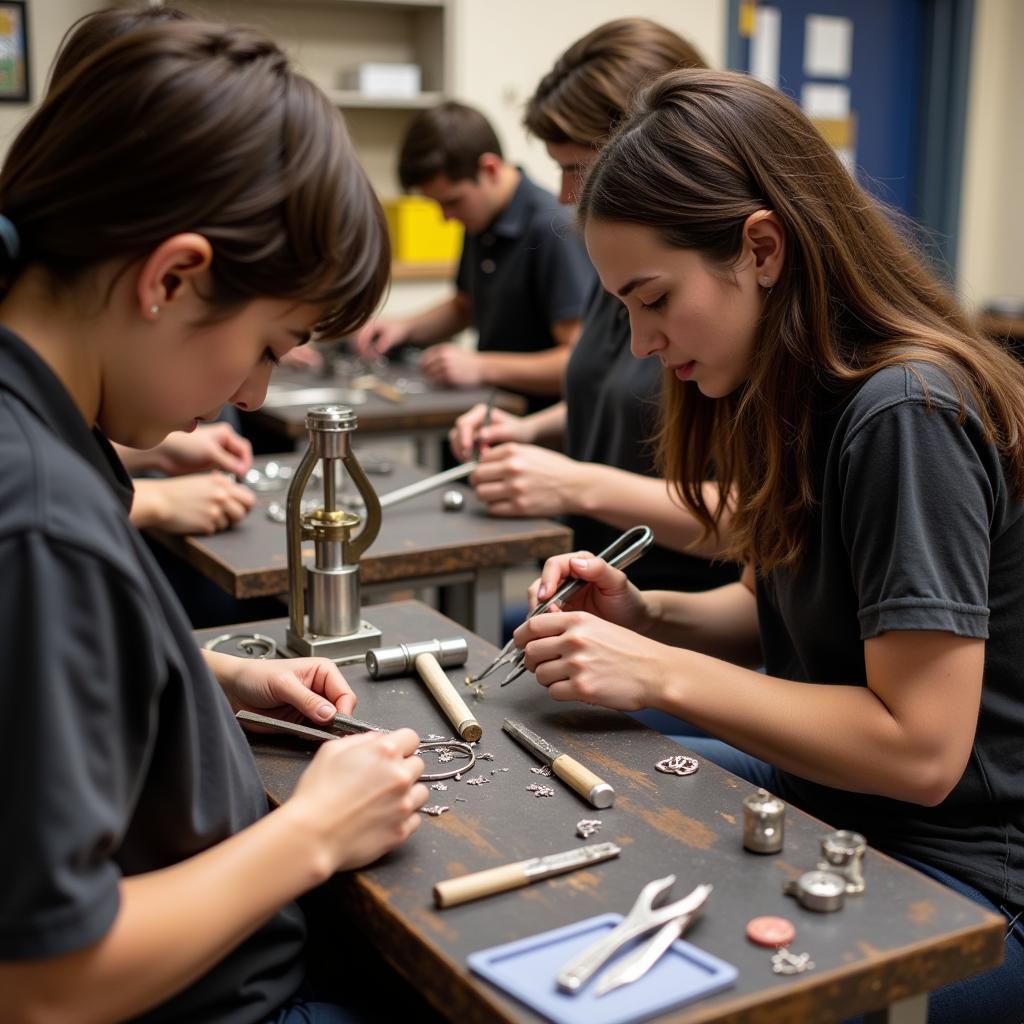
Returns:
point(380, 79)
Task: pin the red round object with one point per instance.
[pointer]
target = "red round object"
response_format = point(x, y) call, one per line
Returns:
point(771, 931)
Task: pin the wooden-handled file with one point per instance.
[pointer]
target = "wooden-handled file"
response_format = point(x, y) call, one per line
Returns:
point(591, 787)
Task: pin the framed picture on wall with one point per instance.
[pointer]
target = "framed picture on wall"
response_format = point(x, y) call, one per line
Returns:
point(14, 74)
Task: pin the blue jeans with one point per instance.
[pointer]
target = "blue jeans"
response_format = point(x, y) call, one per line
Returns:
point(300, 1012)
point(995, 997)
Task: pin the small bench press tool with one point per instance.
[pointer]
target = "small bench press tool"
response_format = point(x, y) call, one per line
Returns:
point(622, 552)
point(329, 588)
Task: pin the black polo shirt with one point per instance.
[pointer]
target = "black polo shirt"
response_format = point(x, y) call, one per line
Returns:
point(527, 271)
point(612, 401)
point(917, 527)
point(119, 752)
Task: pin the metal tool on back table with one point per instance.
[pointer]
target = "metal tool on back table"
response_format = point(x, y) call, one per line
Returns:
point(622, 552)
point(644, 916)
point(591, 787)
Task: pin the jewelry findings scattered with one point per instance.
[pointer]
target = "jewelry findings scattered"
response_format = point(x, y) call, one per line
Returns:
point(679, 764)
point(785, 962)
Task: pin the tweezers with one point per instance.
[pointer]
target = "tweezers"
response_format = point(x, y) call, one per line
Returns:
point(643, 917)
point(622, 552)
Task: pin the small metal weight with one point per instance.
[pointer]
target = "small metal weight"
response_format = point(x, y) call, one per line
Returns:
point(822, 891)
point(453, 500)
point(842, 852)
point(764, 822)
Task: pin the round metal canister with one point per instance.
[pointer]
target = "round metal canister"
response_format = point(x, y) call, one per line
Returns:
point(763, 822)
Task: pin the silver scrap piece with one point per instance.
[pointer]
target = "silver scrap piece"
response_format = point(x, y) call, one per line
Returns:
point(586, 827)
point(678, 764)
point(544, 769)
point(478, 781)
point(485, 757)
point(444, 755)
point(494, 771)
point(785, 962)
point(434, 738)
point(440, 786)
point(436, 810)
point(539, 791)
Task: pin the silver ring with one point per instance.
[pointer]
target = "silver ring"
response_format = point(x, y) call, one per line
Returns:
point(451, 745)
point(257, 640)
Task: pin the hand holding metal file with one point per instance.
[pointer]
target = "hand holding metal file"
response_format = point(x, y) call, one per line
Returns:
point(619, 554)
point(591, 787)
point(642, 918)
point(454, 891)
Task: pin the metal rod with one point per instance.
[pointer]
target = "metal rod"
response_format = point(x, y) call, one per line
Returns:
point(429, 484)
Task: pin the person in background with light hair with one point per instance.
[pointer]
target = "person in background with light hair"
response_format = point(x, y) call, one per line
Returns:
point(874, 441)
point(152, 880)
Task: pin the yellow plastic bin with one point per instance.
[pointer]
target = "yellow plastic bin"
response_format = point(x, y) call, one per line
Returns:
point(419, 233)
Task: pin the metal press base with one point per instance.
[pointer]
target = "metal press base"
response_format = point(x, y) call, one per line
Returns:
point(309, 645)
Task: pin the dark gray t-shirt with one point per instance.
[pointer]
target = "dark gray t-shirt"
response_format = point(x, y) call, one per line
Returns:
point(917, 528)
point(527, 271)
point(119, 751)
point(612, 403)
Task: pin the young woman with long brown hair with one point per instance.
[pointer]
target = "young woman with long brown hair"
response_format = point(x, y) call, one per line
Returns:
point(874, 442)
point(180, 212)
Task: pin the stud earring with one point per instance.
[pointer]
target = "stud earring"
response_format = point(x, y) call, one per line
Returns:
point(765, 281)
point(154, 309)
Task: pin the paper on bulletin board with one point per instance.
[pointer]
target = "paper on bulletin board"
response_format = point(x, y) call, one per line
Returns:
point(828, 46)
point(824, 101)
point(764, 46)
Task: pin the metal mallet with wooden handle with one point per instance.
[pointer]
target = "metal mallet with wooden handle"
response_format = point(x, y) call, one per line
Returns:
point(427, 657)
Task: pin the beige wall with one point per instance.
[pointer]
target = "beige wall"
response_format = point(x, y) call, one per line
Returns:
point(504, 49)
point(991, 263)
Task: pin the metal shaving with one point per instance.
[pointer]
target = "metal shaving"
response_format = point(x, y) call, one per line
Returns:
point(444, 755)
point(436, 810)
point(461, 800)
point(478, 781)
point(433, 738)
point(494, 771)
point(440, 786)
point(586, 827)
point(544, 769)
point(537, 790)
point(485, 757)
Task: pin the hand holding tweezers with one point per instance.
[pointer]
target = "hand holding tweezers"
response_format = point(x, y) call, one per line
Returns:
point(642, 918)
point(622, 552)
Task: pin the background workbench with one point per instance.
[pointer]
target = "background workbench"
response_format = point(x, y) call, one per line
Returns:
point(419, 545)
point(903, 937)
point(423, 417)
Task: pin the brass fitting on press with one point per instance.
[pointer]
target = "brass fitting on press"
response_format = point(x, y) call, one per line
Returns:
point(333, 626)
